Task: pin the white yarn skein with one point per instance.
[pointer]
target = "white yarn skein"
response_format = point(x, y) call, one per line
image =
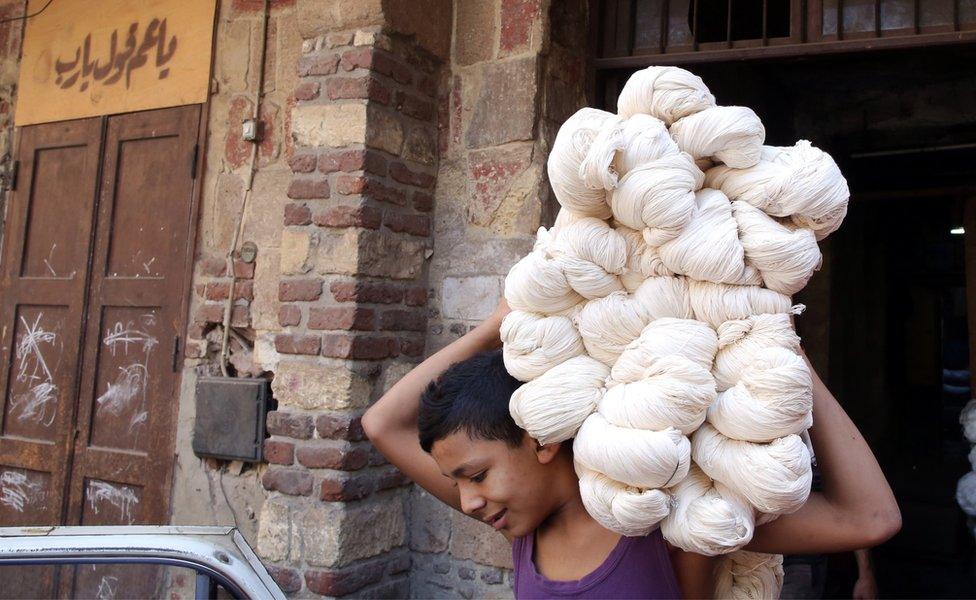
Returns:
point(972, 458)
point(773, 398)
point(534, 343)
point(740, 341)
point(537, 282)
point(708, 248)
point(966, 493)
point(715, 303)
point(744, 575)
point(666, 336)
point(774, 477)
point(786, 257)
point(733, 135)
point(967, 418)
point(594, 241)
point(658, 197)
point(643, 261)
point(608, 324)
point(674, 392)
point(635, 457)
point(707, 518)
point(626, 510)
point(588, 279)
point(666, 93)
point(552, 407)
point(571, 148)
point(645, 139)
point(801, 182)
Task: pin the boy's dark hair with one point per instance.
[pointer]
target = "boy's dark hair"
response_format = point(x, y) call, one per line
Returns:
point(472, 396)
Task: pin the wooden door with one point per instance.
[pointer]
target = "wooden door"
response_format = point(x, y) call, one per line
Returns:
point(95, 264)
point(43, 277)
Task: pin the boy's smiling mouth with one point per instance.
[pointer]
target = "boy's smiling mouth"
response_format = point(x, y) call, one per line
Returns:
point(497, 520)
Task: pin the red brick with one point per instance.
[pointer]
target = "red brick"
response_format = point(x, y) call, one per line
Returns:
point(422, 201)
point(289, 315)
point(360, 347)
point(289, 580)
point(293, 425)
point(243, 270)
point(214, 313)
point(341, 317)
point(294, 482)
point(218, 290)
point(342, 458)
point(317, 64)
point(376, 458)
point(399, 172)
point(308, 189)
point(297, 343)
point(427, 85)
point(297, 214)
point(415, 107)
point(518, 18)
point(370, 293)
point(299, 290)
point(308, 90)
point(415, 296)
point(278, 452)
point(342, 487)
point(403, 320)
point(412, 224)
point(385, 64)
point(411, 347)
point(382, 193)
point(349, 216)
point(391, 477)
point(343, 581)
point(340, 426)
point(350, 184)
point(339, 88)
point(360, 58)
point(302, 163)
point(213, 266)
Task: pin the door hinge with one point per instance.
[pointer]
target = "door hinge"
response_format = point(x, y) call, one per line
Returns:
point(193, 161)
point(14, 175)
point(176, 353)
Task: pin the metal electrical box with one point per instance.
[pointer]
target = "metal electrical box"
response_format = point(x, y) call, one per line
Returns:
point(230, 418)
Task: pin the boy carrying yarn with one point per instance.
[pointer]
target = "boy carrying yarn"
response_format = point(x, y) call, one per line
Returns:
point(447, 426)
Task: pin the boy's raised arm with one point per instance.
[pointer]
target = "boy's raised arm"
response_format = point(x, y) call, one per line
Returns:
point(857, 508)
point(391, 423)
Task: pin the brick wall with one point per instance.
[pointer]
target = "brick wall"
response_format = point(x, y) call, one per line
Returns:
point(352, 294)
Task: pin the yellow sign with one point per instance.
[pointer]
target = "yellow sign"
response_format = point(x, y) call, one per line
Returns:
point(83, 58)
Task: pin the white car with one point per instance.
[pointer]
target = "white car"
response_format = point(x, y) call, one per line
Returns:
point(131, 562)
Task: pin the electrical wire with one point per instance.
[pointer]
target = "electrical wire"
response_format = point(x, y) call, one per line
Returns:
point(25, 17)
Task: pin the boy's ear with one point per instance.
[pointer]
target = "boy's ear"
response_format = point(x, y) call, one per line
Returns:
point(546, 453)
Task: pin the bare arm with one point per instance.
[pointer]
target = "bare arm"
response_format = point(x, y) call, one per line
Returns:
point(695, 574)
point(391, 423)
point(857, 508)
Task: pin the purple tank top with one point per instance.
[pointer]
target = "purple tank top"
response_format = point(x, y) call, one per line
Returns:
point(637, 567)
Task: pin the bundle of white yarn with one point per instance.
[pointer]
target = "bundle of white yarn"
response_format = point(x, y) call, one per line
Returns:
point(652, 323)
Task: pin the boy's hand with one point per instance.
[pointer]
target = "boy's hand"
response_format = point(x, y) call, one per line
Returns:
point(500, 311)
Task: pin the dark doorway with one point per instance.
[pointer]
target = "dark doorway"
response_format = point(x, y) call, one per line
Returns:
point(899, 359)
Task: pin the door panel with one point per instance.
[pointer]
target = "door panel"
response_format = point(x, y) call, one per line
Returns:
point(42, 294)
point(127, 403)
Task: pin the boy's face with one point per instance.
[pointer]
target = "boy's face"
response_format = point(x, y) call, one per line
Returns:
point(503, 486)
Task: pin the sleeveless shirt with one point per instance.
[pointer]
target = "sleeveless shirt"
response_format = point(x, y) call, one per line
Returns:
point(637, 567)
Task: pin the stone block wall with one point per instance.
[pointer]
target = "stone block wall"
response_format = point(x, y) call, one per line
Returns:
point(516, 73)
